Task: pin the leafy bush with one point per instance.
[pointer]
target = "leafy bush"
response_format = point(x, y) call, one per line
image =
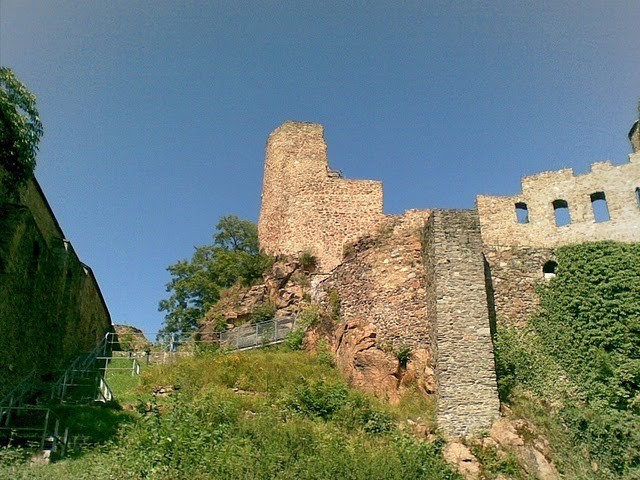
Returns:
point(308, 317)
point(295, 339)
point(403, 354)
point(318, 398)
point(263, 313)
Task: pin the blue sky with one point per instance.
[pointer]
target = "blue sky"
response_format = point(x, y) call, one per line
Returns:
point(156, 112)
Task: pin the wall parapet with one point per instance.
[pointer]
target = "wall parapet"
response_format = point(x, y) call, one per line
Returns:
point(603, 204)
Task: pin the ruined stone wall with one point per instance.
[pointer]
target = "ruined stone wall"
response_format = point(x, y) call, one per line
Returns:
point(51, 308)
point(382, 283)
point(467, 390)
point(514, 274)
point(517, 252)
point(305, 206)
point(618, 183)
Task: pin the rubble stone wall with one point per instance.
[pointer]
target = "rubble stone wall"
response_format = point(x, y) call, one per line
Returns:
point(467, 388)
point(382, 283)
point(306, 206)
point(618, 183)
point(514, 274)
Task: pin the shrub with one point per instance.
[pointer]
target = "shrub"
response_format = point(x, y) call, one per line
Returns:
point(308, 260)
point(263, 313)
point(403, 354)
point(318, 398)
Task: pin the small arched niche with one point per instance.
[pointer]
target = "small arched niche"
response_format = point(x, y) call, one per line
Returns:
point(549, 269)
point(522, 212)
point(561, 212)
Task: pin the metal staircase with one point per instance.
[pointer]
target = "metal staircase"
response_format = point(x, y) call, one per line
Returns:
point(27, 416)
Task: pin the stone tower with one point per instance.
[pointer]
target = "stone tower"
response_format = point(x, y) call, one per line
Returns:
point(308, 207)
point(634, 137)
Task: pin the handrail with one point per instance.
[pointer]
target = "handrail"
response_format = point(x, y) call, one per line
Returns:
point(18, 393)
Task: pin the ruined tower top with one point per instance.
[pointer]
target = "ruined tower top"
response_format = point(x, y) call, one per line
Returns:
point(305, 205)
point(634, 137)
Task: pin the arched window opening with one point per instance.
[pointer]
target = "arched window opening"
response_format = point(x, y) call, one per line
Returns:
point(549, 270)
point(638, 196)
point(522, 212)
point(599, 206)
point(561, 212)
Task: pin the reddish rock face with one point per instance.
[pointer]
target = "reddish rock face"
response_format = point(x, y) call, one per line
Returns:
point(365, 365)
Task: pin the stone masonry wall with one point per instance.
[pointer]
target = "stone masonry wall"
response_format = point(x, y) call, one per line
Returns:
point(382, 283)
point(618, 183)
point(51, 308)
point(516, 252)
point(306, 206)
point(514, 274)
point(467, 390)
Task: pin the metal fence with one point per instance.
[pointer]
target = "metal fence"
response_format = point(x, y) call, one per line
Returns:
point(257, 335)
point(168, 346)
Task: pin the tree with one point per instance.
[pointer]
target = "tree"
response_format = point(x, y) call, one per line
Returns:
point(234, 257)
point(20, 132)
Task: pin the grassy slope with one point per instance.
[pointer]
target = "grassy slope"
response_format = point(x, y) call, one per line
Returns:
point(253, 415)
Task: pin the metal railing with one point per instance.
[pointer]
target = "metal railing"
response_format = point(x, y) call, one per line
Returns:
point(261, 334)
point(86, 373)
point(170, 345)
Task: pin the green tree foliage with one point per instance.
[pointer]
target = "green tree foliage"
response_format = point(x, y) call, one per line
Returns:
point(234, 257)
point(20, 132)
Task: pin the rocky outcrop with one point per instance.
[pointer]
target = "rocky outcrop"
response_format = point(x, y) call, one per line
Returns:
point(508, 438)
point(461, 457)
point(532, 454)
point(130, 339)
point(283, 289)
point(373, 367)
point(364, 365)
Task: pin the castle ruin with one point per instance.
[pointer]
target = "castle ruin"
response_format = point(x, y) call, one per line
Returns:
point(438, 279)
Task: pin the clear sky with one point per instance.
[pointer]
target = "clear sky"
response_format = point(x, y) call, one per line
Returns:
point(156, 112)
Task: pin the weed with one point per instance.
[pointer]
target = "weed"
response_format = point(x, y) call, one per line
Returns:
point(308, 260)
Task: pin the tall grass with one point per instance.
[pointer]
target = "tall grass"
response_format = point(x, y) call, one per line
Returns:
point(266, 414)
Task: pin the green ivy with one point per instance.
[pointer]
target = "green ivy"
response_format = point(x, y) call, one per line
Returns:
point(581, 352)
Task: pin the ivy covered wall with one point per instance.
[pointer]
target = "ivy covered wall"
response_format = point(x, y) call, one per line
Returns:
point(51, 308)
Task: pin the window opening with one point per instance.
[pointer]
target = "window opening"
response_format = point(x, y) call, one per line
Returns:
point(638, 196)
point(599, 206)
point(549, 270)
point(522, 212)
point(561, 212)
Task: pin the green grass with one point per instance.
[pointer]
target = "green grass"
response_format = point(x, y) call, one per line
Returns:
point(268, 414)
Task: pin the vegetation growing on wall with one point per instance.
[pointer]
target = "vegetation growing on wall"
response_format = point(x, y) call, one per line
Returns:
point(20, 132)
point(581, 353)
point(234, 257)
